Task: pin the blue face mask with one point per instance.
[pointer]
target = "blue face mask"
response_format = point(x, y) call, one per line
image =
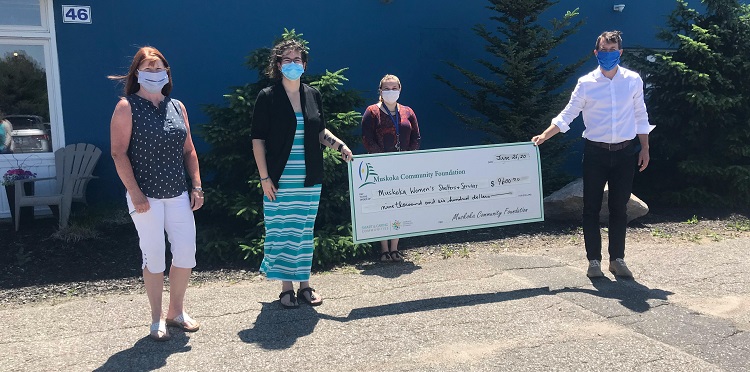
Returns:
point(292, 71)
point(152, 82)
point(608, 60)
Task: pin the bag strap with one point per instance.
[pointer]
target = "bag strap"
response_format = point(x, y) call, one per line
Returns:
point(178, 108)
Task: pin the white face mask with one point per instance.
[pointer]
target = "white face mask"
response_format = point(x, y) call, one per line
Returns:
point(390, 96)
point(152, 82)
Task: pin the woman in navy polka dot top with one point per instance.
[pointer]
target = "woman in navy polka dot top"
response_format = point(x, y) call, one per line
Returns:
point(153, 150)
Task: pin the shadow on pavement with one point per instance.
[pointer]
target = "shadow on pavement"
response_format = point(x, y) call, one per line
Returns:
point(147, 354)
point(632, 295)
point(389, 270)
point(439, 303)
point(277, 328)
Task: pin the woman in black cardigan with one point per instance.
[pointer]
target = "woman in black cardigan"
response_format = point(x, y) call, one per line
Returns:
point(287, 131)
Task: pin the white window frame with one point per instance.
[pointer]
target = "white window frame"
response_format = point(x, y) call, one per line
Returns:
point(45, 9)
point(46, 37)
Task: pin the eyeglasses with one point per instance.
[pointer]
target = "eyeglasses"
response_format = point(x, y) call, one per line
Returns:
point(289, 60)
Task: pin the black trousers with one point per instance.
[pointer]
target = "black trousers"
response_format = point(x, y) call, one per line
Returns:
point(601, 166)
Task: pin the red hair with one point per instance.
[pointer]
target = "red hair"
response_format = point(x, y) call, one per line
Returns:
point(152, 55)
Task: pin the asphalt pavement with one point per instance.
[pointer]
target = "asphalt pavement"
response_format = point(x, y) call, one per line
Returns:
point(688, 309)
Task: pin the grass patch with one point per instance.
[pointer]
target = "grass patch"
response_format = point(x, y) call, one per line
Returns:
point(695, 238)
point(714, 236)
point(658, 233)
point(75, 233)
point(741, 225)
point(348, 269)
point(22, 257)
point(692, 220)
point(415, 257)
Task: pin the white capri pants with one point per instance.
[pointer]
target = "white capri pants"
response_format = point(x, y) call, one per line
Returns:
point(174, 216)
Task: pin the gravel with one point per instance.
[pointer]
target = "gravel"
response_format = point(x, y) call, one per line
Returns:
point(40, 264)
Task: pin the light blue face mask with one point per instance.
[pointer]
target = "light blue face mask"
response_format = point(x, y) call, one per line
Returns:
point(608, 60)
point(152, 82)
point(292, 71)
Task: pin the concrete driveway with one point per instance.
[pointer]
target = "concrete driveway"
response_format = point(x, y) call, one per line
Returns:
point(687, 310)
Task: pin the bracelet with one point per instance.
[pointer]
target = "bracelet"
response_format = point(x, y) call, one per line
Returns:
point(198, 188)
point(263, 179)
point(341, 146)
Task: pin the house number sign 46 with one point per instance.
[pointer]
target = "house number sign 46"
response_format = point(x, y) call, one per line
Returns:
point(76, 14)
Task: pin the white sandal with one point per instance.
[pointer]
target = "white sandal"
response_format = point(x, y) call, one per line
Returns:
point(159, 327)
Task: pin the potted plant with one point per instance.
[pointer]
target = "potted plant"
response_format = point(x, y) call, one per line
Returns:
point(9, 181)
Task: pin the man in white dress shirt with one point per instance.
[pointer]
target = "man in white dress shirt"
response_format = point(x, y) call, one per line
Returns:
point(614, 114)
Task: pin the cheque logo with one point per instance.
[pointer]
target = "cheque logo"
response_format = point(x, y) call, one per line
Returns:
point(366, 174)
point(396, 225)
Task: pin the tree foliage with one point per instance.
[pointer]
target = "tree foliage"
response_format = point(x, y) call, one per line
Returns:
point(699, 97)
point(233, 218)
point(523, 91)
point(23, 86)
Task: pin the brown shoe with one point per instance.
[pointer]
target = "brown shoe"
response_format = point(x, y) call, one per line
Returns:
point(595, 269)
point(183, 322)
point(619, 268)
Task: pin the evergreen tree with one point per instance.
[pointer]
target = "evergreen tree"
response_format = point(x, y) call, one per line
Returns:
point(23, 86)
point(523, 93)
point(699, 98)
point(232, 220)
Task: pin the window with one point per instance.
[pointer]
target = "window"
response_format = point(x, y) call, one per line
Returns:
point(29, 91)
point(23, 97)
point(22, 14)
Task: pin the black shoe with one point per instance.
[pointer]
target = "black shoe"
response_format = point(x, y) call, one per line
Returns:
point(292, 299)
point(313, 297)
point(385, 257)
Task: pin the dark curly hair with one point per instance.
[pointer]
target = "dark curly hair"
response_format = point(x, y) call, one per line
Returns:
point(278, 51)
point(613, 36)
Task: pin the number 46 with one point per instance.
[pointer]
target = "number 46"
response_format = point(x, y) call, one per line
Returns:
point(77, 14)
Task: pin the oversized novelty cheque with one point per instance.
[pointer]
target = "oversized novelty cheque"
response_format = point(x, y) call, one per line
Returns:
point(402, 194)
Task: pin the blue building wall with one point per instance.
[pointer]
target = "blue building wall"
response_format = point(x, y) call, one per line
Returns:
point(206, 44)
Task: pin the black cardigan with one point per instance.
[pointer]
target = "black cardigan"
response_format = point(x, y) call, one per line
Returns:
point(274, 122)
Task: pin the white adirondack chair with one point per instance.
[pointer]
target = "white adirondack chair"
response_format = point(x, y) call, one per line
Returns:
point(73, 167)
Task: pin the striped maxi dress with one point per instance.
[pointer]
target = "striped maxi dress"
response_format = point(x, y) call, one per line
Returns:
point(290, 219)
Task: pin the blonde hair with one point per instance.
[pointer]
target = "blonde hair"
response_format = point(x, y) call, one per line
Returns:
point(385, 78)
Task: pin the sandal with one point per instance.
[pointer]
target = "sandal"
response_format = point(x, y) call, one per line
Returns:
point(313, 296)
point(292, 299)
point(385, 257)
point(157, 327)
point(183, 322)
point(397, 256)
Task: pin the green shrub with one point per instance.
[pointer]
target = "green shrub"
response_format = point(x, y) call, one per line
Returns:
point(522, 93)
point(231, 224)
point(698, 96)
